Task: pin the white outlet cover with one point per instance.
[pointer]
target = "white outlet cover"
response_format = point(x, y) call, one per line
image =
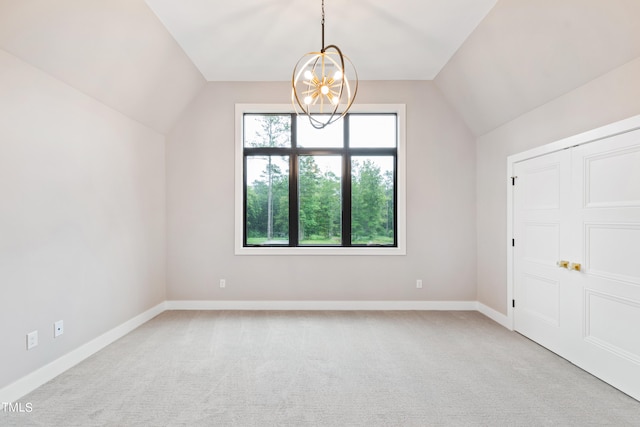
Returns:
point(58, 328)
point(32, 339)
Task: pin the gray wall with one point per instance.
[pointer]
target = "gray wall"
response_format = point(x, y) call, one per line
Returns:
point(82, 217)
point(609, 98)
point(441, 247)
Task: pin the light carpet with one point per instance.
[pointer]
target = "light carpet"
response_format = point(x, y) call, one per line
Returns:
point(306, 368)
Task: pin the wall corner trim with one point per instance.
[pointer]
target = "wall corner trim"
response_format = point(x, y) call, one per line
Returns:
point(494, 315)
point(30, 382)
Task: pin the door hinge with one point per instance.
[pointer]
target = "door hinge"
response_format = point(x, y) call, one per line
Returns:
point(513, 303)
point(513, 180)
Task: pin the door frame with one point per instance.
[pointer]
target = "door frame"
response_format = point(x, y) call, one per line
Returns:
point(616, 128)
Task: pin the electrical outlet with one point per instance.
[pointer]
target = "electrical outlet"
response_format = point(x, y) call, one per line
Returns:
point(223, 283)
point(419, 284)
point(58, 328)
point(32, 339)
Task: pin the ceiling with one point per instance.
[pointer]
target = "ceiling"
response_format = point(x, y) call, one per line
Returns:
point(492, 60)
point(261, 40)
point(115, 51)
point(526, 53)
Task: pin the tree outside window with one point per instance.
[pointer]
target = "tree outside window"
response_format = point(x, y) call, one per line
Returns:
point(330, 187)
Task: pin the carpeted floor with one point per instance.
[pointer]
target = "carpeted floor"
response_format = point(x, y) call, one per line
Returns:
point(239, 368)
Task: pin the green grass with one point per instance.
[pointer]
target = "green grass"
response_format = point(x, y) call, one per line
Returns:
point(316, 240)
point(263, 240)
point(377, 240)
point(320, 241)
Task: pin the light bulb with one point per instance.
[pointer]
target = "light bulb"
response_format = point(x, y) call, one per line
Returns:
point(335, 100)
point(308, 75)
point(324, 89)
point(308, 100)
point(338, 75)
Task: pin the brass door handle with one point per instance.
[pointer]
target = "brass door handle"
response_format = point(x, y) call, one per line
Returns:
point(563, 264)
point(575, 266)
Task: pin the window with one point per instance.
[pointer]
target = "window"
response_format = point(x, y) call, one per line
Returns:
point(337, 190)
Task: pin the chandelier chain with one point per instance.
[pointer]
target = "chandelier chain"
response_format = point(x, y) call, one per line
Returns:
point(322, 26)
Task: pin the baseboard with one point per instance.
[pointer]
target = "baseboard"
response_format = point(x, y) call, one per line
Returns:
point(30, 382)
point(494, 315)
point(322, 305)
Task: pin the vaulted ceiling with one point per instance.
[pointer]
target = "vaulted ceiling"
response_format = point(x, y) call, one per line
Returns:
point(261, 40)
point(526, 53)
point(492, 60)
point(115, 51)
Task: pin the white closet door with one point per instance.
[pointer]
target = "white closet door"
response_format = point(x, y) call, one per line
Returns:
point(576, 260)
point(606, 242)
point(541, 202)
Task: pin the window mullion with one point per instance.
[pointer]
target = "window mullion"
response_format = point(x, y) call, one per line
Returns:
point(244, 199)
point(294, 173)
point(346, 186)
point(395, 200)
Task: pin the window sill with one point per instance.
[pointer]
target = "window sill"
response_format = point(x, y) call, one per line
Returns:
point(359, 251)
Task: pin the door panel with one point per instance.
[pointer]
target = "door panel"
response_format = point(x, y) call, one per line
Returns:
point(540, 297)
point(582, 205)
point(538, 234)
point(613, 251)
point(606, 188)
point(609, 178)
point(540, 183)
point(607, 322)
point(541, 242)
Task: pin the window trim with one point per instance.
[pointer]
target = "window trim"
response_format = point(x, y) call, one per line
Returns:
point(400, 249)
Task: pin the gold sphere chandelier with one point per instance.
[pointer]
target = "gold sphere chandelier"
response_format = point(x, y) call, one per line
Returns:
point(320, 84)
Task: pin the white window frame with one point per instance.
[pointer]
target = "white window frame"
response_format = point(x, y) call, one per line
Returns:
point(401, 238)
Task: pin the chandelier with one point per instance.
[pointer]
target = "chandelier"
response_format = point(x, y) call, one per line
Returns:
point(320, 84)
